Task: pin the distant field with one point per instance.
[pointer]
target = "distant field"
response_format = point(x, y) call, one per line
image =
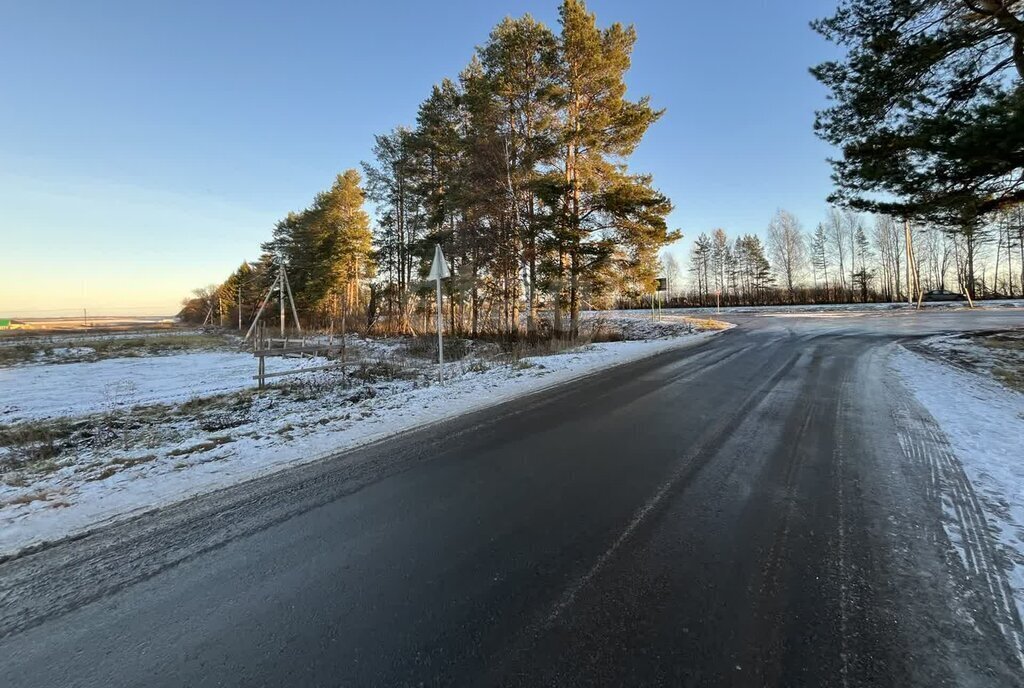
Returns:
point(68, 325)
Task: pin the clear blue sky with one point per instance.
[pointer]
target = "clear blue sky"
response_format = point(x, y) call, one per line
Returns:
point(148, 148)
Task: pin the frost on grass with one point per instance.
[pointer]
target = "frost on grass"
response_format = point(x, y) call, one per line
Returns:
point(999, 355)
point(81, 443)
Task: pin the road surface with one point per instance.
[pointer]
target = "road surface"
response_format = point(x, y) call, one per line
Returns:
point(741, 513)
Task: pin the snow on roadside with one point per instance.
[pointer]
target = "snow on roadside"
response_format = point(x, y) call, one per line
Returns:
point(984, 423)
point(76, 502)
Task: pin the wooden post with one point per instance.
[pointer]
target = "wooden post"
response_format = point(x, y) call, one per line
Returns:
point(280, 292)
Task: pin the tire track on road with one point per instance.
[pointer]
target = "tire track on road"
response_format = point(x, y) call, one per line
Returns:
point(979, 561)
point(687, 467)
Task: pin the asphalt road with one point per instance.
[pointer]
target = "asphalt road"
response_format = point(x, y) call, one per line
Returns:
point(741, 513)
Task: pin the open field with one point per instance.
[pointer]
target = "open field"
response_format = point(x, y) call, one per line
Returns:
point(85, 324)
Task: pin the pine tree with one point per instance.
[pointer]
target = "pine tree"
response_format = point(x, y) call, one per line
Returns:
point(520, 63)
point(326, 247)
point(700, 264)
point(599, 129)
point(719, 259)
point(863, 276)
point(389, 184)
point(929, 106)
point(819, 254)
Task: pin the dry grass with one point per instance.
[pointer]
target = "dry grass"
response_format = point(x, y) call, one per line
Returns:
point(158, 344)
point(201, 447)
point(708, 324)
point(1008, 348)
point(33, 447)
point(997, 354)
point(121, 464)
point(1011, 377)
point(11, 354)
point(129, 461)
point(29, 497)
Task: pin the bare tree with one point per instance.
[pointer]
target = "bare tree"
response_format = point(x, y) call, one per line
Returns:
point(787, 249)
point(889, 247)
point(838, 229)
point(672, 272)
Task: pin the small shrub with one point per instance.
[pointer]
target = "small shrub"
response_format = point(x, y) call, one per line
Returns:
point(381, 369)
point(425, 347)
point(16, 353)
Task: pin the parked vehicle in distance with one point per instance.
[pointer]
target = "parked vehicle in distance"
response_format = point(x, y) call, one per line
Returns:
point(943, 295)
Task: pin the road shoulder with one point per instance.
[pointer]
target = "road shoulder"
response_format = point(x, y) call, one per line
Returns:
point(965, 430)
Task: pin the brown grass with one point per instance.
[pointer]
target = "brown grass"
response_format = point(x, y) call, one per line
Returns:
point(205, 446)
point(16, 353)
point(708, 324)
point(29, 497)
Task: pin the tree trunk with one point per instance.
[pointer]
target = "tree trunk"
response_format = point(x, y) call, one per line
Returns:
point(574, 297)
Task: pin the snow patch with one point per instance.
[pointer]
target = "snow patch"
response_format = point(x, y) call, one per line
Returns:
point(984, 423)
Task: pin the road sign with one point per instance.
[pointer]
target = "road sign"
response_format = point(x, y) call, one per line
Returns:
point(439, 271)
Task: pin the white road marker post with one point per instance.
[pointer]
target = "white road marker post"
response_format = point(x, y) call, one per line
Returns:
point(439, 271)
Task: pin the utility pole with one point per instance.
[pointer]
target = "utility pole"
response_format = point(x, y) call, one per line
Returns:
point(239, 305)
point(281, 284)
point(280, 291)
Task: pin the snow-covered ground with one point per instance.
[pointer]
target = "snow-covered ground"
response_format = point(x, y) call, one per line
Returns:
point(198, 443)
point(35, 392)
point(984, 423)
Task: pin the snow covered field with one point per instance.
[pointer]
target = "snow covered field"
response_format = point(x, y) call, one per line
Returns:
point(984, 423)
point(190, 423)
point(37, 392)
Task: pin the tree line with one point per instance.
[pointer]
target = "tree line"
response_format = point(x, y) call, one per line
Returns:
point(852, 257)
point(518, 168)
point(327, 250)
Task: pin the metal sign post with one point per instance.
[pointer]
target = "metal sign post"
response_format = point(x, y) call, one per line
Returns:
point(438, 272)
